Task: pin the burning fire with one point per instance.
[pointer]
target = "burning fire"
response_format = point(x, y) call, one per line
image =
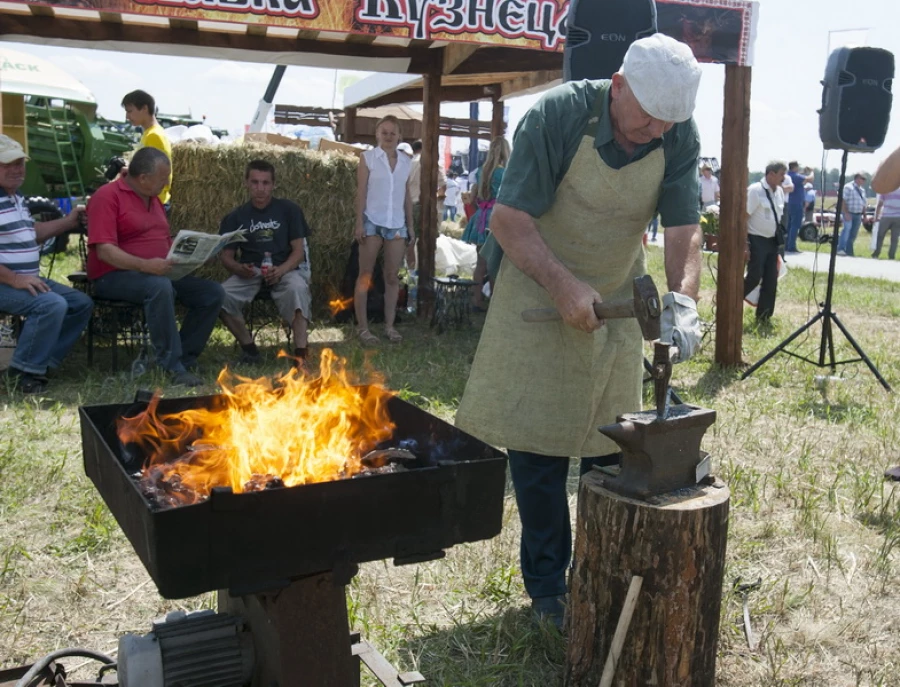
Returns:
point(337, 305)
point(294, 431)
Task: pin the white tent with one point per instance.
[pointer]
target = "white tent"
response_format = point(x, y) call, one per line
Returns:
point(28, 75)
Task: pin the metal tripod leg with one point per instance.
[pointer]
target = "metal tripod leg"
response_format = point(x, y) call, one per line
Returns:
point(862, 355)
point(771, 354)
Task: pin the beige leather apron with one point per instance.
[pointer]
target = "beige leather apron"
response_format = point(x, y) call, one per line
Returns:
point(545, 387)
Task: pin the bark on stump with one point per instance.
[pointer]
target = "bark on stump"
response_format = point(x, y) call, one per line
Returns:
point(676, 542)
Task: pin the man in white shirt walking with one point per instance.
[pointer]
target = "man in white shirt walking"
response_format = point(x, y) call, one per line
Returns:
point(451, 197)
point(765, 207)
point(854, 211)
point(709, 187)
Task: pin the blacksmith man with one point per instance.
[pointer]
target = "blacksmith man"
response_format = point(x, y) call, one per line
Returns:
point(592, 162)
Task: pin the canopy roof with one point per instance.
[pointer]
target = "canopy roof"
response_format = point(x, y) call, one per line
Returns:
point(265, 31)
point(28, 75)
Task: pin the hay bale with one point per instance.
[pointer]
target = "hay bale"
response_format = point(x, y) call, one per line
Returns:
point(209, 183)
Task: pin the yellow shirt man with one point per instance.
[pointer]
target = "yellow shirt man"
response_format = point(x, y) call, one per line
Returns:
point(155, 137)
point(140, 110)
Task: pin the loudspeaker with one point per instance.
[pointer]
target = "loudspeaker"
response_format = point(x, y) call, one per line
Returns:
point(598, 33)
point(856, 99)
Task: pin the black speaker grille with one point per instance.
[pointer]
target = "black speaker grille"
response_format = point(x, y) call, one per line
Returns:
point(576, 36)
point(856, 101)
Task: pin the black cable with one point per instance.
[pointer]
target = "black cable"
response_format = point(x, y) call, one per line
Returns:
point(40, 665)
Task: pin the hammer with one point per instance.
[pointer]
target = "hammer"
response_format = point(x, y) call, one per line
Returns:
point(643, 306)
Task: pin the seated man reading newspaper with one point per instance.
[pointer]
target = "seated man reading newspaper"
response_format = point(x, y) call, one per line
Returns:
point(128, 245)
point(272, 253)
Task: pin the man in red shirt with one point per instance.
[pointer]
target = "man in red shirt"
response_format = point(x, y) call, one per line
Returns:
point(128, 241)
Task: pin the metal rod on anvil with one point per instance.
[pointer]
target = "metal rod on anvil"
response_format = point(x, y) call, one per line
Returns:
point(662, 374)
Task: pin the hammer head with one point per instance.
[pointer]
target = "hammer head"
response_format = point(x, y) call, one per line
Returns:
point(647, 307)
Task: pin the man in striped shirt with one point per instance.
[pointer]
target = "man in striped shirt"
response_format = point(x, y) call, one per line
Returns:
point(55, 315)
point(853, 213)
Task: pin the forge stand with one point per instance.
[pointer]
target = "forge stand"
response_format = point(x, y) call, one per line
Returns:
point(301, 636)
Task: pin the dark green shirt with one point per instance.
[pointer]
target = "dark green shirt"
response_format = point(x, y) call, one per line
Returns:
point(548, 137)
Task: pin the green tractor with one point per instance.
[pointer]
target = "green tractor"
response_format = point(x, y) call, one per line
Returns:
point(54, 117)
point(70, 148)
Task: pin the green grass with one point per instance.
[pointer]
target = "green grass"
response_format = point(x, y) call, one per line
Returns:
point(810, 512)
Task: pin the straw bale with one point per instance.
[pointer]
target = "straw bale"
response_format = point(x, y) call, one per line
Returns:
point(208, 184)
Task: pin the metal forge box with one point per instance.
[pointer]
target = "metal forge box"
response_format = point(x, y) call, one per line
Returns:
point(249, 542)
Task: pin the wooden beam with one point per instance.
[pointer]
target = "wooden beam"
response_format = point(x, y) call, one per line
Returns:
point(362, 38)
point(455, 54)
point(187, 24)
point(41, 10)
point(498, 125)
point(528, 83)
point(427, 196)
point(78, 30)
point(733, 216)
point(503, 60)
point(460, 94)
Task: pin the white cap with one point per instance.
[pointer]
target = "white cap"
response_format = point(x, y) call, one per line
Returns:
point(10, 150)
point(405, 148)
point(664, 76)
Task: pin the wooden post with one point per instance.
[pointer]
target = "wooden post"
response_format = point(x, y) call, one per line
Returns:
point(733, 215)
point(349, 125)
point(498, 126)
point(431, 122)
point(677, 544)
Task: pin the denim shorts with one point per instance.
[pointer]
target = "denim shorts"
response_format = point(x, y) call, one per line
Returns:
point(386, 233)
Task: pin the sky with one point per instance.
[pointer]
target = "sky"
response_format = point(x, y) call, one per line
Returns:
point(791, 49)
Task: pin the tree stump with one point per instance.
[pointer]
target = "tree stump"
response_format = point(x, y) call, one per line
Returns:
point(676, 542)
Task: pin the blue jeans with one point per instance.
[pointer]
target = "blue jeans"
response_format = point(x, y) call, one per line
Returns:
point(848, 233)
point(54, 321)
point(546, 546)
point(386, 233)
point(795, 218)
point(203, 298)
point(653, 227)
point(449, 212)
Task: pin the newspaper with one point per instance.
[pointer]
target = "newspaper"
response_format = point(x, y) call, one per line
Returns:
point(191, 249)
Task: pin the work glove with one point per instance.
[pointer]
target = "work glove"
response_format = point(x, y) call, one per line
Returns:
point(679, 325)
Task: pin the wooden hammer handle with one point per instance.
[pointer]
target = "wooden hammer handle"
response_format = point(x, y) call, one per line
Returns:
point(605, 311)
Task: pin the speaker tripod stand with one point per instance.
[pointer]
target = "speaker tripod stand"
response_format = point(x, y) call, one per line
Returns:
point(826, 315)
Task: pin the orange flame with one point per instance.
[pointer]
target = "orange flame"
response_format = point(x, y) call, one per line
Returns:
point(337, 305)
point(298, 429)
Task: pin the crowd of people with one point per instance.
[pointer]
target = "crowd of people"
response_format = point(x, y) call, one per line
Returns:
point(129, 238)
point(779, 205)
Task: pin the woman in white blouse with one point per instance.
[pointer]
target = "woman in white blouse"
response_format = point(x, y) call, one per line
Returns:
point(383, 217)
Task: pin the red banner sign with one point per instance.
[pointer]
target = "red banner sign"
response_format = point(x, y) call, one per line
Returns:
point(717, 30)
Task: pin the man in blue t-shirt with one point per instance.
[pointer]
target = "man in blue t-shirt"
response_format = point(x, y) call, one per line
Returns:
point(796, 202)
point(273, 228)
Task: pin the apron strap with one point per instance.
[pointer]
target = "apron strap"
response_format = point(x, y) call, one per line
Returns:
point(590, 129)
